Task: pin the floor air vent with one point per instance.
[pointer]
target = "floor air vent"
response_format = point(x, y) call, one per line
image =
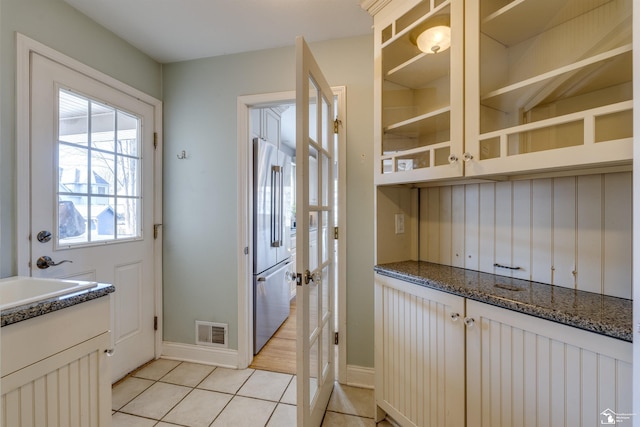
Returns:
point(209, 333)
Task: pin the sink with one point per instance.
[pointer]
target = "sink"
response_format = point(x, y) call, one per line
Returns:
point(20, 290)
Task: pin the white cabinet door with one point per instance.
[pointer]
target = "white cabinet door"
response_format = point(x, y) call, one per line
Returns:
point(70, 388)
point(548, 84)
point(419, 354)
point(526, 371)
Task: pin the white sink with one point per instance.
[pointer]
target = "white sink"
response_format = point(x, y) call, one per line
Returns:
point(19, 290)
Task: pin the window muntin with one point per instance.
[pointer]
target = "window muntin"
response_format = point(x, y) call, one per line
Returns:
point(99, 172)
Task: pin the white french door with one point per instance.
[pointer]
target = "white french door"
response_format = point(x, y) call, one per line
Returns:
point(92, 197)
point(314, 238)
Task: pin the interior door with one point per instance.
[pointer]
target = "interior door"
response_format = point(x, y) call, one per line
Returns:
point(314, 238)
point(92, 195)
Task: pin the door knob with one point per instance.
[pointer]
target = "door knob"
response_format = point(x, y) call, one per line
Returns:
point(46, 262)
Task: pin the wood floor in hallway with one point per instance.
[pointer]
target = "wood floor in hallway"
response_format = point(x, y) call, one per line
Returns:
point(279, 353)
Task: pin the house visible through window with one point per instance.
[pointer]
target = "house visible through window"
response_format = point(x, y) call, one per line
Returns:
point(99, 164)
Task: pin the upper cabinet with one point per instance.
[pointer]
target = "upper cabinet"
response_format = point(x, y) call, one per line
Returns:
point(419, 90)
point(548, 84)
point(503, 87)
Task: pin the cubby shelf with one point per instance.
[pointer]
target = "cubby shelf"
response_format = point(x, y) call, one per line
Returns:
point(520, 20)
point(590, 74)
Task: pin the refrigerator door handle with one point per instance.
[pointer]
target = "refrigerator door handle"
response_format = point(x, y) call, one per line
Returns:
point(275, 205)
point(281, 216)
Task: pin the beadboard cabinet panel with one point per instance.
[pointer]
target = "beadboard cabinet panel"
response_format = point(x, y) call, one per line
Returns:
point(533, 372)
point(568, 231)
point(419, 354)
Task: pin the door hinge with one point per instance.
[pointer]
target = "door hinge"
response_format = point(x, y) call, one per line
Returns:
point(155, 230)
point(155, 323)
point(246, 250)
point(335, 338)
point(336, 125)
point(155, 140)
point(335, 233)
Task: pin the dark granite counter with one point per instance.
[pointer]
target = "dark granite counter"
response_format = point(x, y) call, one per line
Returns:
point(593, 312)
point(27, 311)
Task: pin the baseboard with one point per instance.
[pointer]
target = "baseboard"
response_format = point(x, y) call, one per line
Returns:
point(222, 357)
point(359, 376)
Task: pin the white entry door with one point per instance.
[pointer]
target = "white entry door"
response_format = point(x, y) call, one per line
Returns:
point(92, 197)
point(314, 238)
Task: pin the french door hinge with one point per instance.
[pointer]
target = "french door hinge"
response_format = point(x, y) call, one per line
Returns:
point(155, 323)
point(335, 338)
point(155, 140)
point(336, 125)
point(335, 233)
point(155, 230)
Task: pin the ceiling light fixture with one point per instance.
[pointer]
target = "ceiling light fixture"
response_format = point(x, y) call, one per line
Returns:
point(436, 38)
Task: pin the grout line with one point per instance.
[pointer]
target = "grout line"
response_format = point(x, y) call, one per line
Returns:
point(235, 394)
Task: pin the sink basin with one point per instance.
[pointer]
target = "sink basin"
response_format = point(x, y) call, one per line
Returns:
point(19, 290)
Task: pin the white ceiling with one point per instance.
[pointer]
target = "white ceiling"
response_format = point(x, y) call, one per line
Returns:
point(178, 30)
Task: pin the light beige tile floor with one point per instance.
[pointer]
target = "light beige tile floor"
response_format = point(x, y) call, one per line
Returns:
point(168, 393)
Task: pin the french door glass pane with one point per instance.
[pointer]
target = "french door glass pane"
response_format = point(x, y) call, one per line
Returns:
point(313, 370)
point(313, 111)
point(313, 307)
point(325, 180)
point(326, 128)
point(99, 165)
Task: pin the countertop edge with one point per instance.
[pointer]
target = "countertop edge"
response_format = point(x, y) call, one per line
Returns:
point(28, 311)
point(580, 322)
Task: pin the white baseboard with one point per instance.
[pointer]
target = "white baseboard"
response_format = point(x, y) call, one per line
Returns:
point(222, 357)
point(358, 376)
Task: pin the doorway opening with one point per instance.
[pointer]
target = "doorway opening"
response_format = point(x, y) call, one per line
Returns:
point(271, 117)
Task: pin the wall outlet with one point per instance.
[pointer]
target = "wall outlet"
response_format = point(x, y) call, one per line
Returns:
point(399, 223)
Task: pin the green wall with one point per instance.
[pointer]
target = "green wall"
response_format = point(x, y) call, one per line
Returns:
point(57, 25)
point(200, 194)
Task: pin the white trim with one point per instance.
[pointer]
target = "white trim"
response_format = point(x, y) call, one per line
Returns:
point(245, 189)
point(245, 303)
point(24, 47)
point(223, 357)
point(341, 93)
point(359, 376)
point(636, 217)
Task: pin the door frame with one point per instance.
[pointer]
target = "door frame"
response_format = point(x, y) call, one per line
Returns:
point(245, 245)
point(24, 47)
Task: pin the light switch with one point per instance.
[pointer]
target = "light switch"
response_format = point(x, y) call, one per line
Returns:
point(399, 223)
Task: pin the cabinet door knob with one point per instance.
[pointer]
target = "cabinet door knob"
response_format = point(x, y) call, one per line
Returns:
point(469, 321)
point(467, 156)
point(453, 158)
point(109, 352)
point(455, 316)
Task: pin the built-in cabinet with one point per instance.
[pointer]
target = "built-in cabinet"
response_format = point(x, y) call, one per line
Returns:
point(532, 101)
point(443, 360)
point(525, 86)
point(548, 84)
point(265, 124)
point(56, 370)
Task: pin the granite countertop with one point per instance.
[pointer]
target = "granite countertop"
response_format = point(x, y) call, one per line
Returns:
point(28, 311)
point(593, 312)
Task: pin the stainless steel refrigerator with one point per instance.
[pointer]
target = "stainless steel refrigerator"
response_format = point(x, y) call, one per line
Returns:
point(272, 200)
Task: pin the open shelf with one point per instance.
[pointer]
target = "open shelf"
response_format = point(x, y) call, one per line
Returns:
point(522, 19)
point(400, 50)
point(429, 123)
point(597, 72)
point(420, 70)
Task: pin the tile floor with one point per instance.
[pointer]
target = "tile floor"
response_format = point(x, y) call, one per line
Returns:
point(169, 393)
